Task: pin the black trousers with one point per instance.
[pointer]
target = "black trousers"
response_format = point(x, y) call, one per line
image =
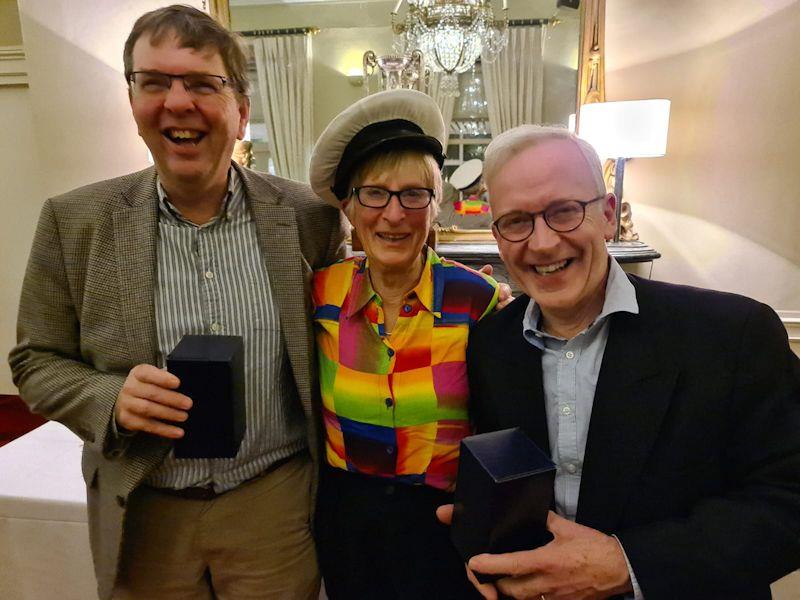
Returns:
point(378, 539)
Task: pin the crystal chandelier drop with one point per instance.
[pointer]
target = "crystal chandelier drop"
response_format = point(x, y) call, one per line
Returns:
point(451, 34)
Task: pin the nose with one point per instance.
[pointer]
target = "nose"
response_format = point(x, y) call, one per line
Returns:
point(178, 98)
point(394, 211)
point(542, 238)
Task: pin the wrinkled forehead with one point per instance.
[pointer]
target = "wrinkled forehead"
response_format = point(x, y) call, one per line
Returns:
point(554, 168)
point(167, 44)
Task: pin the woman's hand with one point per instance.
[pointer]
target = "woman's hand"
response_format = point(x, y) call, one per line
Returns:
point(504, 297)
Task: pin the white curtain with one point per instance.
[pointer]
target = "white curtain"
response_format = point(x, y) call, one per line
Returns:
point(446, 103)
point(514, 82)
point(283, 63)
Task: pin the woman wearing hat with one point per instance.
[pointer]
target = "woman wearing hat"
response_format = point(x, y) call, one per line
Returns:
point(391, 332)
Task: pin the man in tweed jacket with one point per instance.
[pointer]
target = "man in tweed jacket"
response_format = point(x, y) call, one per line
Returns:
point(119, 270)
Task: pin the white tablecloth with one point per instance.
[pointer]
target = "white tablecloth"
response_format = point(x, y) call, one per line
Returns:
point(44, 537)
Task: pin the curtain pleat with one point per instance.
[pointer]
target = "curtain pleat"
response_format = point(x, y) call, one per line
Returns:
point(514, 82)
point(445, 103)
point(283, 64)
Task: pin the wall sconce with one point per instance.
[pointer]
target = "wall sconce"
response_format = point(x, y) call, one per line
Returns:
point(355, 77)
point(624, 130)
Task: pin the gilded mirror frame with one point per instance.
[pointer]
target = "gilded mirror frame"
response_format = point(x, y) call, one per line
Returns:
point(591, 79)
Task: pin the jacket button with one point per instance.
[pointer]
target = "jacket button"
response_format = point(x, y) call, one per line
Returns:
point(120, 501)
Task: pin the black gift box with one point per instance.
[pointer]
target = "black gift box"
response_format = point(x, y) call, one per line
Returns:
point(503, 493)
point(211, 370)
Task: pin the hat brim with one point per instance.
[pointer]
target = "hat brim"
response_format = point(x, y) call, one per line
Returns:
point(467, 174)
point(405, 105)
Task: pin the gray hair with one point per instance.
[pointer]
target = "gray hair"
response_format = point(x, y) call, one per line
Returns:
point(514, 141)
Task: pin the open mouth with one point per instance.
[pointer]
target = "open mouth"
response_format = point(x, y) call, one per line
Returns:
point(183, 136)
point(552, 268)
point(393, 237)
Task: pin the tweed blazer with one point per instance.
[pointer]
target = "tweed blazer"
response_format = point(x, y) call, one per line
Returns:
point(87, 316)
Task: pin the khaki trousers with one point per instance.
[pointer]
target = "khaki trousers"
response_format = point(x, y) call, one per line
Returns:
point(252, 542)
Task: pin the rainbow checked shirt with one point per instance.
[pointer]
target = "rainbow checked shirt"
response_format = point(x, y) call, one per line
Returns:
point(396, 406)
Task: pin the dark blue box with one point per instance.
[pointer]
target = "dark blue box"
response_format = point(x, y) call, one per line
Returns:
point(503, 493)
point(211, 370)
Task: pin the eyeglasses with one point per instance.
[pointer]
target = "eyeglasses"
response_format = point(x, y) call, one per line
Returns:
point(562, 216)
point(153, 83)
point(378, 197)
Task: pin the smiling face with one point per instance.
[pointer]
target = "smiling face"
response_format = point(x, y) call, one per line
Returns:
point(191, 139)
point(393, 236)
point(564, 272)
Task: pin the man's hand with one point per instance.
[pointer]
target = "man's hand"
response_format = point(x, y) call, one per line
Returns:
point(504, 297)
point(580, 563)
point(146, 400)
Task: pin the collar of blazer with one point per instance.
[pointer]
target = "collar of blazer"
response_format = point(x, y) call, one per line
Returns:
point(141, 189)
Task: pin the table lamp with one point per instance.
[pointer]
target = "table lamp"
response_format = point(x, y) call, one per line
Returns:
point(624, 130)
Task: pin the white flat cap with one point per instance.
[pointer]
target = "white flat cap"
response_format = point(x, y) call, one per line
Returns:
point(467, 174)
point(384, 121)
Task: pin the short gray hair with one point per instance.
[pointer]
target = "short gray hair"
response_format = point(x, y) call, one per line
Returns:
point(514, 141)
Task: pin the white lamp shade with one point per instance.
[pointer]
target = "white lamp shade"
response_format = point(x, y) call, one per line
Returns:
point(630, 129)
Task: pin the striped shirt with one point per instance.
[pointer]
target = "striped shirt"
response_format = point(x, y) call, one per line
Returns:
point(396, 406)
point(212, 279)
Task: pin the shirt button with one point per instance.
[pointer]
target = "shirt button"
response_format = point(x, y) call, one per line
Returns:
point(209, 275)
point(216, 327)
point(389, 402)
point(566, 410)
point(389, 450)
point(570, 354)
point(571, 468)
point(406, 308)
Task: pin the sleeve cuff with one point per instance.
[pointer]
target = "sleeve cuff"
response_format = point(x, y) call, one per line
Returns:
point(637, 590)
point(118, 440)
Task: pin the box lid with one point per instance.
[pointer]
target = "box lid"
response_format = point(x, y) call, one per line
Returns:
point(508, 454)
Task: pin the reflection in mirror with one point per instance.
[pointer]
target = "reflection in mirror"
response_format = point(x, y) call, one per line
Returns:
point(553, 61)
point(339, 33)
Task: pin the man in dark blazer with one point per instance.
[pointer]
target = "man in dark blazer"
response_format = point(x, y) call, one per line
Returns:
point(672, 413)
point(120, 270)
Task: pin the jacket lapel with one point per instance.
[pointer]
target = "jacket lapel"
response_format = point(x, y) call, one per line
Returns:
point(517, 395)
point(279, 242)
point(631, 399)
point(135, 242)
point(526, 381)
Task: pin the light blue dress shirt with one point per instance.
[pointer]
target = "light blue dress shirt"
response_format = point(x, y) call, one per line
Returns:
point(570, 369)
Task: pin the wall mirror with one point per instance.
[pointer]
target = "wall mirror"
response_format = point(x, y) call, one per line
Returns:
point(558, 42)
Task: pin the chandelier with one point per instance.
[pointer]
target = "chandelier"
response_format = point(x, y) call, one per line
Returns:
point(451, 34)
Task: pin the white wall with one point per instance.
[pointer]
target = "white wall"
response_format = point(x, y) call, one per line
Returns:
point(722, 206)
point(71, 126)
point(20, 199)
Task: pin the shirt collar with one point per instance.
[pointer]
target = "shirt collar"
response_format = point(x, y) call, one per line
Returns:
point(232, 205)
point(362, 292)
point(620, 297)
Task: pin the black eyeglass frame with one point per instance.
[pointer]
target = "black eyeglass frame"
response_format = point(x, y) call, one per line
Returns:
point(356, 192)
point(225, 80)
point(532, 215)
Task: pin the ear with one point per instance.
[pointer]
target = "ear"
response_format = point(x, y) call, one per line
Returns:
point(347, 213)
point(609, 216)
point(244, 116)
point(499, 241)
